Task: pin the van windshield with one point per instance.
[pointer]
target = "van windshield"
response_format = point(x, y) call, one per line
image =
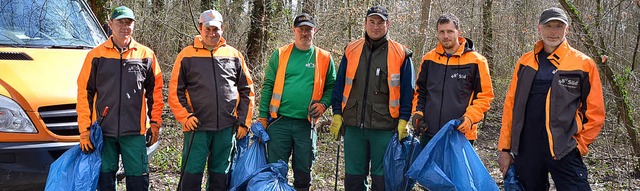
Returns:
point(50, 23)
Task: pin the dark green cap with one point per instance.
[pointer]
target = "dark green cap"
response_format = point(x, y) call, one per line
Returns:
point(122, 12)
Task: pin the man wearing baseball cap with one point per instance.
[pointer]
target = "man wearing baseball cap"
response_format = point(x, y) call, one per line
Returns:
point(553, 110)
point(372, 97)
point(211, 95)
point(124, 76)
point(295, 93)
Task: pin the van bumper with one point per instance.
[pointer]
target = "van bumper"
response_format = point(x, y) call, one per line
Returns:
point(26, 165)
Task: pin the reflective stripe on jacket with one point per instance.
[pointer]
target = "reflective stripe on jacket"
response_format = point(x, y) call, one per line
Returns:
point(323, 59)
point(213, 85)
point(574, 107)
point(129, 83)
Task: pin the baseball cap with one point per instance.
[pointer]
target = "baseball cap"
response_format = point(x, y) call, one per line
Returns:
point(379, 11)
point(553, 14)
point(122, 12)
point(211, 18)
point(304, 20)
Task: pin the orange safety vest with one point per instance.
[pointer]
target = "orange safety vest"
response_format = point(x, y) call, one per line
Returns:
point(395, 58)
point(323, 58)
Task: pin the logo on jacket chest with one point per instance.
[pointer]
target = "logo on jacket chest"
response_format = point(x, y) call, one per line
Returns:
point(570, 83)
point(310, 65)
point(458, 76)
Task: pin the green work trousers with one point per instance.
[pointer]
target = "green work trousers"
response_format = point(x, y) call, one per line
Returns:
point(364, 146)
point(134, 155)
point(290, 134)
point(214, 145)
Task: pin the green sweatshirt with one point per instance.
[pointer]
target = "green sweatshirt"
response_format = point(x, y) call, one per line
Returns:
point(298, 84)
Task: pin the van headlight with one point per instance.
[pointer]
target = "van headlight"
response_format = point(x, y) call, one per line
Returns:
point(13, 119)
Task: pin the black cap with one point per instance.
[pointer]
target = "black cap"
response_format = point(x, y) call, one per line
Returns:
point(553, 14)
point(379, 11)
point(304, 19)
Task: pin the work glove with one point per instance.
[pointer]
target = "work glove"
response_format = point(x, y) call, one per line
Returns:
point(264, 122)
point(334, 128)
point(155, 134)
point(241, 132)
point(417, 121)
point(316, 110)
point(504, 161)
point(191, 124)
point(465, 124)
point(85, 142)
point(402, 129)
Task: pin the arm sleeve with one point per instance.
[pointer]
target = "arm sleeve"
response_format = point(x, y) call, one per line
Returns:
point(593, 110)
point(86, 93)
point(330, 80)
point(244, 108)
point(406, 88)
point(267, 85)
point(504, 142)
point(178, 94)
point(421, 93)
point(153, 92)
point(483, 93)
point(338, 87)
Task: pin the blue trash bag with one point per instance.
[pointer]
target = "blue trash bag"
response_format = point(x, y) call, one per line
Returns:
point(449, 162)
point(395, 161)
point(511, 182)
point(75, 170)
point(250, 160)
point(272, 178)
point(258, 130)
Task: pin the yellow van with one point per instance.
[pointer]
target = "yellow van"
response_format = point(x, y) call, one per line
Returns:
point(42, 47)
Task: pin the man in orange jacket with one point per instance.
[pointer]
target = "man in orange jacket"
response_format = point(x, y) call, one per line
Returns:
point(123, 75)
point(553, 110)
point(211, 95)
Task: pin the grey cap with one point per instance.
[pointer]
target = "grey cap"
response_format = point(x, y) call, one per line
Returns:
point(553, 14)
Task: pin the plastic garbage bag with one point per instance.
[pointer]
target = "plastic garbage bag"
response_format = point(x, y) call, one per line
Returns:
point(511, 182)
point(396, 159)
point(271, 178)
point(75, 170)
point(250, 160)
point(259, 131)
point(449, 162)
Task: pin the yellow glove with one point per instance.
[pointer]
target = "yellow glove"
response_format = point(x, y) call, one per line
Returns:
point(465, 124)
point(191, 124)
point(402, 129)
point(264, 122)
point(242, 131)
point(85, 141)
point(334, 128)
point(155, 133)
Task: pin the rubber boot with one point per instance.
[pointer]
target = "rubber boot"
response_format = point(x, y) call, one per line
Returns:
point(354, 182)
point(107, 181)
point(138, 183)
point(301, 180)
point(191, 182)
point(217, 182)
point(377, 183)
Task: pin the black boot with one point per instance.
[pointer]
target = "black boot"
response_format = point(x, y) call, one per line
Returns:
point(217, 182)
point(107, 181)
point(191, 182)
point(377, 183)
point(354, 182)
point(138, 183)
point(301, 180)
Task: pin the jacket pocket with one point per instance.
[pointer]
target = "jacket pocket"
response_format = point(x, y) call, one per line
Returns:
point(350, 112)
point(383, 82)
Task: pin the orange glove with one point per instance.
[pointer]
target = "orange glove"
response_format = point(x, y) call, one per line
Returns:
point(191, 124)
point(155, 130)
point(316, 110)
point(465, 124)
point(85, 141)
point(264, 122)
point(242, 131)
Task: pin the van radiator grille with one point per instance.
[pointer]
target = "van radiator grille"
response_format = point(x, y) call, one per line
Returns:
point(60, 119)
point(14, 56)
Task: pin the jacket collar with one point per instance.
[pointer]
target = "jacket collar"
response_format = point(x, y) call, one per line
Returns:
point(561, 52)
point(464, 47)
point(109, 44)
point(197, 42)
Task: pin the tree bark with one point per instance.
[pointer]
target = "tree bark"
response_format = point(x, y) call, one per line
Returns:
point(617, 83)
point(487, 32)
point(425, 17)
point(99, 8)
point(258, 34)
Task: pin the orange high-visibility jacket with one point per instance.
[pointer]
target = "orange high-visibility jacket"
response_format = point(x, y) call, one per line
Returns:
point(323, 59)
point(129, 83)
point(575, 110)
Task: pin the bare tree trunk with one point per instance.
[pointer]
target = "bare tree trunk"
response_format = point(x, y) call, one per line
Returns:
point(425, 16)
point(258, 34)
point(617, 84)
point(99, 8)
point(309, 7)
point(487, 32)
point(635, 51)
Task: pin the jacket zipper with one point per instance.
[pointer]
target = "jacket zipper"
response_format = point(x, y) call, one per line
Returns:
point(120, 92)
point(215, 84)
point(444, 80)
point(366, 89)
